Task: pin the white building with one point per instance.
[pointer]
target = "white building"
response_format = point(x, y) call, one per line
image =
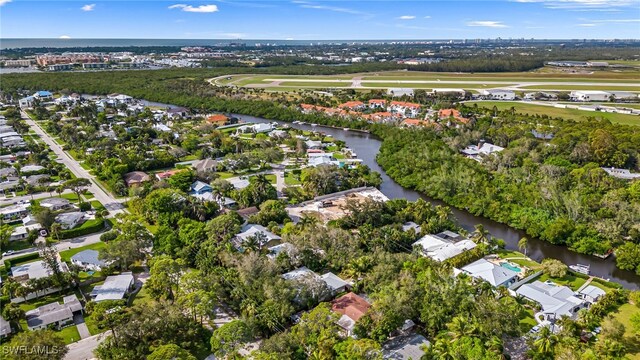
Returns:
point(621, 173)
point(477, 152)
point(556, 301)
point(590, 95)
point(493, 274)
point(498, 94)
point(444, 245)
point(114, 287)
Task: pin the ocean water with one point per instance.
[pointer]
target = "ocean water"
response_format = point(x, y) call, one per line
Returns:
point(63, 43)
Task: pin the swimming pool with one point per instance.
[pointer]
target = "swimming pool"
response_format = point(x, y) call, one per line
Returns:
point(510, 267)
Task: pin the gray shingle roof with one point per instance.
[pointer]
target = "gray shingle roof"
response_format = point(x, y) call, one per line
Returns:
point(88, 257)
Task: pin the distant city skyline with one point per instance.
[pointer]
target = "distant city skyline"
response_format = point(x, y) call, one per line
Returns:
point(321, 20)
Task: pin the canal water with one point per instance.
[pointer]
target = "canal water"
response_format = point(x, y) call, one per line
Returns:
point(366, 147)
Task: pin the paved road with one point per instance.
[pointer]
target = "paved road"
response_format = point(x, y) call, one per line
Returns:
point(109, 202)
point(83, 349)
point(10, 200)
point(61, 246)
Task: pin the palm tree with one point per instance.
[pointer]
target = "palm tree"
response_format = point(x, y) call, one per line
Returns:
point(55, 230)
point(522, 245)
point(480, 234)
point(461, 327)
point(545, 342)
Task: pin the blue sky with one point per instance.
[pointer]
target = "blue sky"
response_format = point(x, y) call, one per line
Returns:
point(317, 20)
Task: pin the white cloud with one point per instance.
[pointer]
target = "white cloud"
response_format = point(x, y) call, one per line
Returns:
point(491, 24)
point(587, 25)
point(583, 5)
point(617, 20)
point(195, 9)
point(308, 5)
point(428, 17)
point(407, 17)
point(64, 37)
point(2, 2)
point(88, 7)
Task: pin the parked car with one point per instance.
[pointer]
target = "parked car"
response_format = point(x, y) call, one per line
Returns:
point(7, 253)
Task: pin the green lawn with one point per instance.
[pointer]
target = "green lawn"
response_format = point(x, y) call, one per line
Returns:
point(272, 178)
point(527, 321)
point(97, 205)
point(291, 179)
point(575, 114)
point(225, 175)
point(44, 300)
point(338, 156)
point(141, 297)
point(67, 254)
point(632, 341)
point(569, 280)
point(69, 334)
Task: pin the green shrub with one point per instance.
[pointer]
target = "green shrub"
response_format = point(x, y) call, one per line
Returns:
point(108, 236)
point(85, 206)
point(20, 259)
point(89, 227)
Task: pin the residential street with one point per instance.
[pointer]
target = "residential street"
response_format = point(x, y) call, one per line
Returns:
point(4, 201)
point(62, 245)
point(83, 349)
point(109, 202)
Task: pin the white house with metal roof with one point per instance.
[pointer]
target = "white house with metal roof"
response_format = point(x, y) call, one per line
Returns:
point(89, 260)
point(443, 246)
point(493, 274)
point(114, 288)
point(556, 301)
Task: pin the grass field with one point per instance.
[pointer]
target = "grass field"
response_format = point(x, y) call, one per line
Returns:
point(632, 341)
point(67, 254)
point(620, 87)
point(575, 114)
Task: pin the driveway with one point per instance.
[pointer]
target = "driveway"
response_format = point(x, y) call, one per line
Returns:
point(83, 330)
point(83, 349)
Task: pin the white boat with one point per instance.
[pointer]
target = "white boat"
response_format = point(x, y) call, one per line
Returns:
point(314, 124)
point(579, 268)
point(346, 129)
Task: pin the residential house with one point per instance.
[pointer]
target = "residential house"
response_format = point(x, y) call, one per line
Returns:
point(351, 307)
point(591, 293)
point(276, 250)
point(218, 119)
point(14, 212)
point(32, 270)
point(43, 95)
point(443, 246)
point(406, 109)
point(5, 328)
point(335, 284)
point(477, 152)
point(88, 260)
point(238, 182)
point(27, 102)
point(377, 103)
point(556, 301)
point(252, 231)
point(114, 287)
point(28, 169)
point(255, 128)
point(352, 105)
point(70, 220)
point(167, 174)
point(22, 232)
point(136, 178)
point(495, 275)
point(54, 314)
point(405, 348)
point(452, 114)
point(37, 180)
point(199, 188)
point(8, 172)
point(55, 203)
point(205, 165)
